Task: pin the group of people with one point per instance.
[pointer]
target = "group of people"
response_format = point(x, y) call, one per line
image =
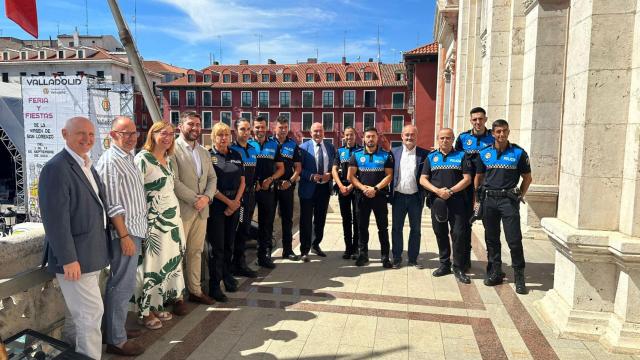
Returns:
point(148, 215)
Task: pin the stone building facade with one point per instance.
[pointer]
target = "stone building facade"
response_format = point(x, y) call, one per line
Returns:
point(566, 75)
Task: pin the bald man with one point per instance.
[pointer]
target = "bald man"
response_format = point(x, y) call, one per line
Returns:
point(72, 206)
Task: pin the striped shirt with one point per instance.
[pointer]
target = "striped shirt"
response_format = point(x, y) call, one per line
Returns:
point(124, 185)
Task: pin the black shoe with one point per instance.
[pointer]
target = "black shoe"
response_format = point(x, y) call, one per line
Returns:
point(386, 263)
point(305, 258)
point(415, 264)
point(397, 263)
point(245, 271)
point(290, 256)
point(217, 294)
point(521, 287)
point(442, 271)
point(230, 284)
point(461, 276)
point(362, 260)
point(346, 255)
point(495, 276)
point(316, 250)
point(266, 262)
point(354, 256)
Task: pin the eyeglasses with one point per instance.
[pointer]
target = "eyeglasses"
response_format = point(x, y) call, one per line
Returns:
point(126, 134)
point(165, 133)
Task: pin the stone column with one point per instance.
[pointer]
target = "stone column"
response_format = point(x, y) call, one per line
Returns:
point(496, 58)
point(595, 294)
point(514, 74)
point(465, 45)
point(541, 116)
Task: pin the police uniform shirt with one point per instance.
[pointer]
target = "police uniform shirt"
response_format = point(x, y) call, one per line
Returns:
point(472, 144)
point(341, 160)
point(228, 169)
point(371, 166)
point(502, 169)
point(290, 154)
point(249, 159)
point(267, 155)
point(445, 170)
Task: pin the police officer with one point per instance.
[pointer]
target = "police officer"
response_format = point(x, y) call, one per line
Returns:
point(346, 193)
point(499, 168)
point(249, 157)
point(471, 141)
point(371, 172)
point(446, 176)
point(290, 155)
point(269, 168)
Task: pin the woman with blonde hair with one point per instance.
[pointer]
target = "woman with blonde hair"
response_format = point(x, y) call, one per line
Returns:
point(224, 211)
point(160, 279)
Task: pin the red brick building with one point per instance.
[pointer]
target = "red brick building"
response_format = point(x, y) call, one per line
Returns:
point(338, 94)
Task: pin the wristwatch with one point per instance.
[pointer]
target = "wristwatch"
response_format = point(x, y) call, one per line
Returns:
point(376, 188)
point(450, 191)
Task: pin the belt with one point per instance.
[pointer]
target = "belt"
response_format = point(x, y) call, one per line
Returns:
point(228, 193)
point(497, 193)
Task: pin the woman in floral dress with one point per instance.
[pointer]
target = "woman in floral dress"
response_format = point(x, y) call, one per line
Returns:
point(160, 279)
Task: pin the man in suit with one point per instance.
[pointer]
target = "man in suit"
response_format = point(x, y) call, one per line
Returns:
point(314, 190)
point(195, 186)
point(407, 196)
point(72, 205)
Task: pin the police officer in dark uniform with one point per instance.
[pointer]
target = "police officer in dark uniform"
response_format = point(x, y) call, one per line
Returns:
point(499, 168)
point(471, 141)
point(292, 159)
point(225, 211)
point(371, 172)
point(446, 176)
point(249, 157)
point(346, 193)
point(269, 168)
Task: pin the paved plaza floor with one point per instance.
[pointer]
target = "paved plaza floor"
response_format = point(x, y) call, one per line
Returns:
point(331, 309)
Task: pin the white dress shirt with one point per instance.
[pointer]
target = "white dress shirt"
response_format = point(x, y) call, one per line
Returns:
point(324, 154)
point(407, 183)
point(85, 164)
point(193, 150)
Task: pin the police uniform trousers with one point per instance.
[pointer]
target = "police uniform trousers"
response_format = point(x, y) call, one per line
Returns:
point(457, 226)
point(284, 200)
point(221, 234)
point(313, 215)
point(378, 205)
point(507, 210)
point(266, 200)
point(349, 214)
point(466, 240)
point(244, 227)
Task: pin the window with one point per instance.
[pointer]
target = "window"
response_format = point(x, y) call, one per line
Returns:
point(327, 121)
point(23, 55)
point(207, 99)
point(175, 117)
point(396, 144)
point(244, 115)
point(368, 120)
point(23, 74)
point(398, 101)
point(264, 115)
point(307, 99)
point(78, 73)
point(42, 55)
point(285, 98)
point(191, 98)
point(370, 98)
point(226, 78)
point(225, 98)
point(307, 120)
point(286, 77)
point(133, 79)
point(5, 56)
point(100, 74)
point(41, 73)
point(286, 115)
point(266, 77)
point(80, 54)
point(349, 98)
point(327, 98)
point(397, 123)
point(263, 99)
point(5, 77)
point(368, 76)
point(245, 99)
point(207, 78)
point(191, 78)
point(61, 54)
point(331, 77)
point(121, 78)
point(206, 120)
point(348, 120)
point(60, 73)
point(174, 98)
point(310, 77)
point(351, 76)
point(399, 76)
point(225, 117)
point(246, 78)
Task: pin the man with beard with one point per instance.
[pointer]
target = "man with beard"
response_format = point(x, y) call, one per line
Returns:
point(290, 155)
point(195, 186)
point(269, 167)
point(371, 172)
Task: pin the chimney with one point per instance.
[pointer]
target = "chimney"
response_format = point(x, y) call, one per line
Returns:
point(312, 60)
point(271, 62)
point(244, 62)
point(344, 60)
point(216, 63)
point(370, 59)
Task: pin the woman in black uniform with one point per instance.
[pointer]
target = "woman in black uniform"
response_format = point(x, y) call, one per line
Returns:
point(224, 211)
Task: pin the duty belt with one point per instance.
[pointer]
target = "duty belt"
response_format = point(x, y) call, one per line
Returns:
point(229, 193)
point(497, 193)
point(513, 194)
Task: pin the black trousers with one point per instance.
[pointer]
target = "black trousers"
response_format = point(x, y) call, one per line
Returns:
point(313, 214)
point(349, 214)
point(284, 200)
point(466, 240)
point(457, 226)
point(507, 210)
point(221, 234)
point(244, 226)
point(378, 205)
point(266, 200)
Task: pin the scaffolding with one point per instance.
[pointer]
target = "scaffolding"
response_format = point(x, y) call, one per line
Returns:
point(18, 168)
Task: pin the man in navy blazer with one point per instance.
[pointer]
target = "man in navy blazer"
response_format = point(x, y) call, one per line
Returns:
point(407, 196)
point(315, 190)
point(72, 205)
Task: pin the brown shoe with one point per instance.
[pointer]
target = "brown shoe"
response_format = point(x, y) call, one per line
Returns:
point(133, 333)
point(202, 299)
point(129, 348)
point(180, 308)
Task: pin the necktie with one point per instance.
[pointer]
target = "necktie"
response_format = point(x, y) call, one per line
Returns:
point(320, 160)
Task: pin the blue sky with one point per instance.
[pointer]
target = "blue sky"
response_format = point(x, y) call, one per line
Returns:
point(185, 32)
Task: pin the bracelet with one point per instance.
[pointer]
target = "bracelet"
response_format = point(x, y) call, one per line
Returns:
point(122, 237)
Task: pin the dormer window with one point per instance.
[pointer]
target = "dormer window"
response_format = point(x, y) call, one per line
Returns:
point(399, 76)
point(191, 78)
point(310, 77)
point(286, 77)
point(42, 55)
point(246, 78)
point(23, 55)
point(368, 76)
point(265, 77)
point(61, 54)
point(351, 76)
point(5, 56)
point(331, 77)
point(207, 78)
point(226, 78)
point(80, 54)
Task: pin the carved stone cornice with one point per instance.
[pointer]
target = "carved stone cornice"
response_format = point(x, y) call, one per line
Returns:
point(528, 5)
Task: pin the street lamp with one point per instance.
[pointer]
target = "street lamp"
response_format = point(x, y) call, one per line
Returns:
point(9, 216)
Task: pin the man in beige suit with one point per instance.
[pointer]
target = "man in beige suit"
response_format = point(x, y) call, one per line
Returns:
point(195, 186)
